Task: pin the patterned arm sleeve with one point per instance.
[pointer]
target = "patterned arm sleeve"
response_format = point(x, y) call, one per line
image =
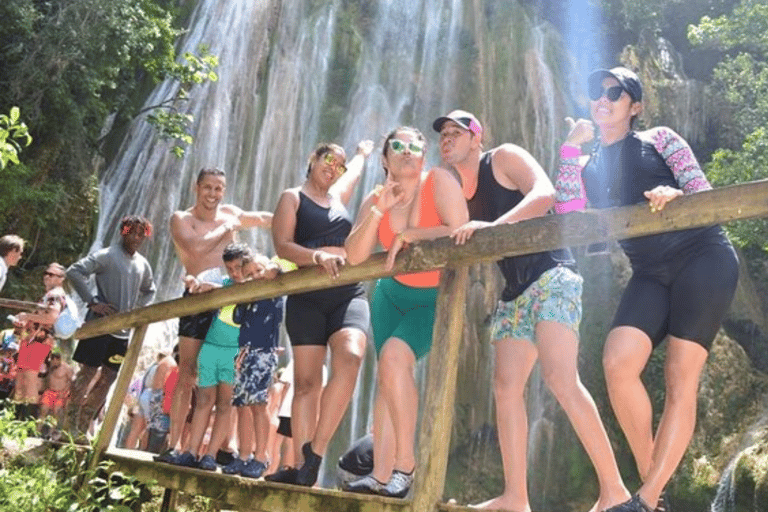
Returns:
point(680, 158)
point(569, 187)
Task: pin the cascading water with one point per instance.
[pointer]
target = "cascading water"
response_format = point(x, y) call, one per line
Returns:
point(408, 61)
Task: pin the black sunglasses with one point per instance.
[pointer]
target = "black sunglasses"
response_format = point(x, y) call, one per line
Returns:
point(612, 93)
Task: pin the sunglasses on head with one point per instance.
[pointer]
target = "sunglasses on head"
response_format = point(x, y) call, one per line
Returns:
point(398, 146)
point(330, 160)
point(51, 274)
point(611, 93)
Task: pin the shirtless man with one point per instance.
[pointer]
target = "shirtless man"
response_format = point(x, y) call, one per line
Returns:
point(56, 393)
point(200, 234)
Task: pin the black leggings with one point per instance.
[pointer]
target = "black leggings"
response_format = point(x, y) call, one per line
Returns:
point(311, 318)
point(687, 298)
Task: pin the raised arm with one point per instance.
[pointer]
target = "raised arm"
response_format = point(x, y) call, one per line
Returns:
point(519, 169)
point(569, 187)
point(363, 238)
point(190, 242)
point(254, 219)
point(345, 185)
point(516, 169)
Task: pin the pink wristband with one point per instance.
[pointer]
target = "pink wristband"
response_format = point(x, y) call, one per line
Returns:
point(569, 151)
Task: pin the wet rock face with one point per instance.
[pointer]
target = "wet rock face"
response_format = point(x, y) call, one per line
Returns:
point(747, 321)
point(752, 339)
point(727, 460)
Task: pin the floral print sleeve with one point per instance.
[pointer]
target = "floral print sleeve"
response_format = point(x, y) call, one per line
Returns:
point(679, 157)
point(569, 187)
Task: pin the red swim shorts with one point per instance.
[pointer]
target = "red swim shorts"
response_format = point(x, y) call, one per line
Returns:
point(54, 399)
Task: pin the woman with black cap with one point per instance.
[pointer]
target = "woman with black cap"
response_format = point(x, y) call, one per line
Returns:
point(682, 282)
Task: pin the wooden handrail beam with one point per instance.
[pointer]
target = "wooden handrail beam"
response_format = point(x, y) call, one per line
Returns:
point(743, 201)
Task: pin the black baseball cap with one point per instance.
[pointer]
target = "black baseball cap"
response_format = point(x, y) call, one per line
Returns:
point(465, 119)
point(627, 79)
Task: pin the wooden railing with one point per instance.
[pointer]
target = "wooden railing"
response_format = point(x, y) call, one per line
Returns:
point(723, 205)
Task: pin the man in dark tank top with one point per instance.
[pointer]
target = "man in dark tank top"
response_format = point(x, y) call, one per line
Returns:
point(539, 312)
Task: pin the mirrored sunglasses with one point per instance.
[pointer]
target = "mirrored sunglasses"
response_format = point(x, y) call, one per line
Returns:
point(398, 146)
point(331, 160)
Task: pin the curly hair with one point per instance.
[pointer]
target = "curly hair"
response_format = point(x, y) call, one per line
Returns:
point(133, 222)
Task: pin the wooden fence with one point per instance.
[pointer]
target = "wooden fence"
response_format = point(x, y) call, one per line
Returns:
point(723, 205)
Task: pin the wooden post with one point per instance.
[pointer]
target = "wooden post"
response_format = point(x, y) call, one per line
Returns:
point(121, 388)
point(169, 500)
point(437, 416)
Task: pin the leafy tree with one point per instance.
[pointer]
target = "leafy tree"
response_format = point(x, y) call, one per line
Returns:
point(13, 133)
point(76, 68)
point(741, 79)
point(742, 75)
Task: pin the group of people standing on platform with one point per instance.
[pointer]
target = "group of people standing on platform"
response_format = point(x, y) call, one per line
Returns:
point(680, 290)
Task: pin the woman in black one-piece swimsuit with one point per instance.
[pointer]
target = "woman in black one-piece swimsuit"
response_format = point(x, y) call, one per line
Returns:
point(310, 226)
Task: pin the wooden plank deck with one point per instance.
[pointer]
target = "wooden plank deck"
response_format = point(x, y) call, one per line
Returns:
point(245, 494)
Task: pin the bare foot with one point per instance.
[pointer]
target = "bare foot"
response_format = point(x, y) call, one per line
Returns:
point(502, 503)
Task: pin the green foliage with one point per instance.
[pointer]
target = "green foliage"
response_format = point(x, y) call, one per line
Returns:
point(749, 163)
point(13, 134)
point(58, 479)
point(75, 68)
point(667, 16)
point(166, 117)
point(69, 64)
point(741, 79)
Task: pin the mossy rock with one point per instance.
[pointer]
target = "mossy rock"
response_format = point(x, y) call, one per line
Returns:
point(750, 478)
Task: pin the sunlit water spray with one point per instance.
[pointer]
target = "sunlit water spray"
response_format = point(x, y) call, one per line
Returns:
point(417, 60)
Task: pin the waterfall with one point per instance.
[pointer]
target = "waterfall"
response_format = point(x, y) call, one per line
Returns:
point(293, 73)
point(725, 499)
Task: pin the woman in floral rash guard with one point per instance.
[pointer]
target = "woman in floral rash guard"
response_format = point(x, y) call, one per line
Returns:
point(682, 282)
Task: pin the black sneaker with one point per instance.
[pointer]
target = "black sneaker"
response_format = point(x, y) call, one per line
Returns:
point(635, 504)
point(167, 457)
point(663, 504)
point(284, 475)
point(208, 463)
point(399, 484)
point(186, 459)
point(254, 468)
point(224, 458)
point(307, 475)
point(364, 485)
point(235, 467)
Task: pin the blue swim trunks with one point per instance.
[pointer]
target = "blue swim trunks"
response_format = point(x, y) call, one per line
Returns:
point(254, 376)
point(555, 297)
